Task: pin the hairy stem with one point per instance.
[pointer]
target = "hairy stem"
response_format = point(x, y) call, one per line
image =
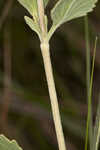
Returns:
point(53, 95)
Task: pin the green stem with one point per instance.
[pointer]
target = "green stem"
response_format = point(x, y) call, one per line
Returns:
point(87, 55)
point(96, 133)
point(89, 88)
point(96, 136)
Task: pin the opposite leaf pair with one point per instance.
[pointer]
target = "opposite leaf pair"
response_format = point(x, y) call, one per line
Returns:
point(63, 11)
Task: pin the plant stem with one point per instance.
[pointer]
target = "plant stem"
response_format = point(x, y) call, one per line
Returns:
point(53, 95)
point(7, 65)
point(87, 55)
point(89, 116)
point(7, 78)
point(41, 18)
point(49, 75)
point(96, 133)
point(96, 136)
point(5, 12)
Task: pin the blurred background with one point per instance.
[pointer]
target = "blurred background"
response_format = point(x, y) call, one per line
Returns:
point(25, 111)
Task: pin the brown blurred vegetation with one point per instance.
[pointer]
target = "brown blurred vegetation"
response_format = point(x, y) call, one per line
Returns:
point(25, 112)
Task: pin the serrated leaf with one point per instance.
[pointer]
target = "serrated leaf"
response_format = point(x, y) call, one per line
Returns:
point(6, 144)
point(33, 25)
point(31, 6)
point(66, 10)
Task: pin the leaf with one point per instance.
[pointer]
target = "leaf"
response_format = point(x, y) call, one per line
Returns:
point(6, 144)
point(31, 6)
point(66, 10)
point(33, 25)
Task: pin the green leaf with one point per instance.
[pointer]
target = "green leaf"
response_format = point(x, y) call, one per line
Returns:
point(6, 144)
point(33, 25)
point(31, 6)
point(66, 10)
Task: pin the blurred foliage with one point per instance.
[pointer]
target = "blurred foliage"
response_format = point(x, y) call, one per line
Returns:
point(29, 117)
